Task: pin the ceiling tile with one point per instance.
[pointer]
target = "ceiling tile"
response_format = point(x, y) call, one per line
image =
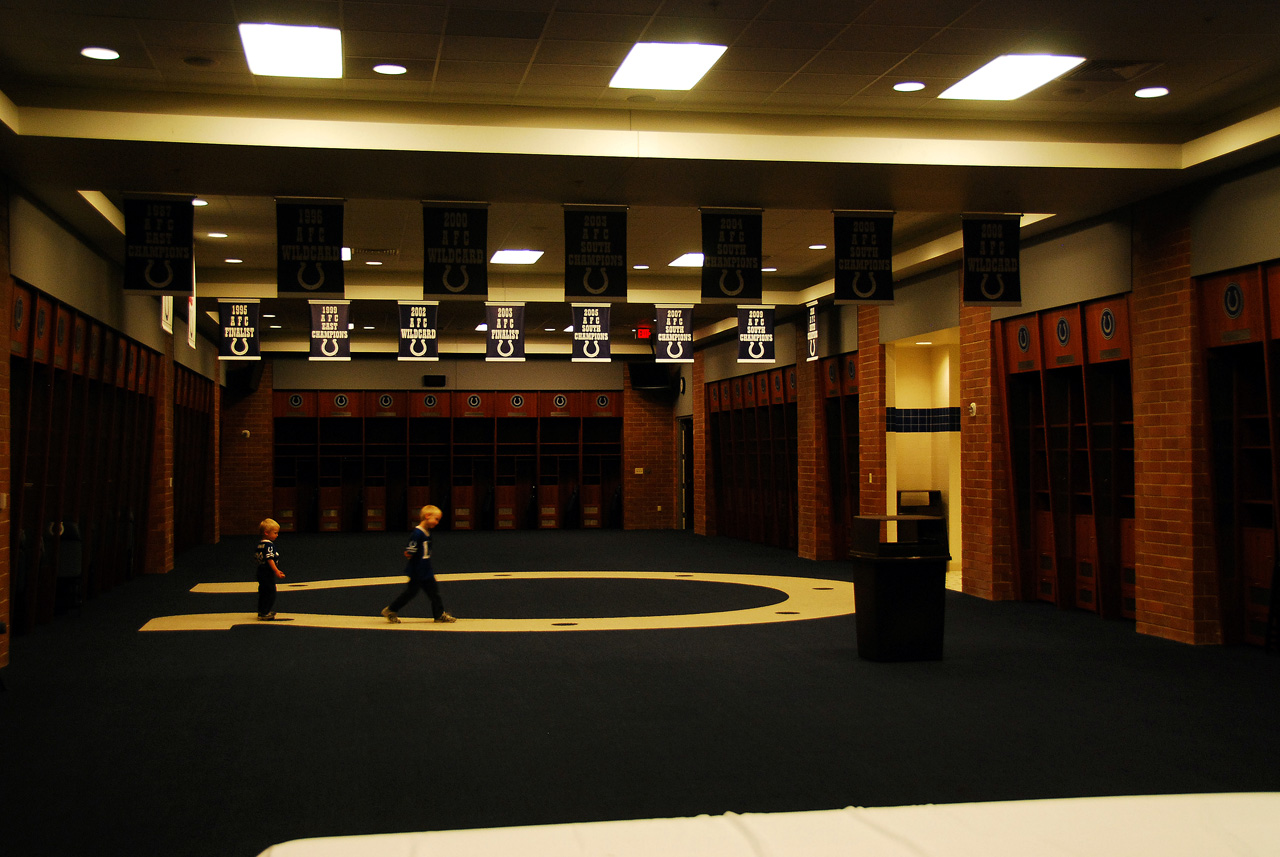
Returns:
point(555, 52)
point(707, 31)
point(485, 23)
point(595, 27)
point(390, 46)
point(570, 75)
point(480, 72)
point(474, 49)
point(916, 13)
point(843, 85)
point(393, 18)
point(793, 35)
point(852, 62)
point(883, 39)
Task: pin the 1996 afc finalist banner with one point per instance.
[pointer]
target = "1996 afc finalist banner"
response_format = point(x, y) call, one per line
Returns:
point(330, 326)
point(591, 333)
point(864, 257)
point(505, 340)
point(309, 249)
point(418, 337)
point(732, 245)
point(992, 275)
point(673, 334)
point(159, 254)
point(455, 250)
point(595, 253)
point(239, 321)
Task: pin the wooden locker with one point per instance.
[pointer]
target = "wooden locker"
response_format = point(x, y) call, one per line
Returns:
point(1231, 308)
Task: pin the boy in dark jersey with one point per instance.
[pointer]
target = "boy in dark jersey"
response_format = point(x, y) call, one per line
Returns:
point(268, 570)
point(421, 575)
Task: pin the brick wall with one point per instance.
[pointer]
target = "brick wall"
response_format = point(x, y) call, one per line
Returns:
point(649, 435)
point(158, 555)
point(987, 549)
point(6, 478)
point(213, 517)
point(704, 499)
point(1177, 579)
point(872, 449)
point(813, 469)
point(247, 464)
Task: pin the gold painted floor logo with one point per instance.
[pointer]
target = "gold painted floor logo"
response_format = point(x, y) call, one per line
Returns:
point(806, 598)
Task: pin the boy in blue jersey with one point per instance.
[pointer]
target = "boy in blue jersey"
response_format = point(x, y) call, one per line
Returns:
point(421, 575)
point(268, 569)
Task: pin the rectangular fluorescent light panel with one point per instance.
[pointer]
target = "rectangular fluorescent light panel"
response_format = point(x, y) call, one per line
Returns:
point(516, 257)
point(688, 260)
point(279, 50)
point(1011, 76)
point(663, 65)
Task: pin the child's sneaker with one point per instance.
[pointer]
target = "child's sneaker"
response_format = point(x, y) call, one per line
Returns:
point(445, 617)
point(391, 616)
point(266, 617)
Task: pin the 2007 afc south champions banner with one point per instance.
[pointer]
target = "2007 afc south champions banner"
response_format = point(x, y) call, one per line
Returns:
point(454, 250)
point(159, 257)
point(673, 334)
point(309, 248)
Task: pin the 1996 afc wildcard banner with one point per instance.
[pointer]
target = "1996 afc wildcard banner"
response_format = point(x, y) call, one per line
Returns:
point(755, 334)
point(992, 275)
point(732, 245)
point(864, 257)
point(673, 334)
point(591, 333)
point(505, 340)
point(418, 339)
point(330, 326)
point(159, 252)
point(455, 257)
point(239, 322)
point(595, 253)
point(309, 249)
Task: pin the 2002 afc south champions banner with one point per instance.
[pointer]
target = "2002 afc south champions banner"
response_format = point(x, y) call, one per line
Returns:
point(159, 257)
point(309, 249)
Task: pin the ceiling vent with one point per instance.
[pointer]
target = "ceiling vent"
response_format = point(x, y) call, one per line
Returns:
point(375, 253)
point(1110, 71)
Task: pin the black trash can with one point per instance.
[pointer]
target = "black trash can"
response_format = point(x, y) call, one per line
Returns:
point(900, 587)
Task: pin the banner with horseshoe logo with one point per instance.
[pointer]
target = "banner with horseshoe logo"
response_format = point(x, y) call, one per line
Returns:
point(505, 340)
point(811, 331)
point(418, 331)
point(732, 245)
point(864, 257)
point(992, 275)
point(755, 334)
point(455, 254)
point(591, 333)
point(595, 252)
point(330, 325)
point(159, 256)
point(309, 249)
point(673, 335)
point(239, 320)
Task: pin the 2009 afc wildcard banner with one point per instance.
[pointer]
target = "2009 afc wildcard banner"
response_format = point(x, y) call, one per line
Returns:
point(418, 337)
point(159, 254)
point(673, 334)
point(309, 249)
point(330, 326)
point(239, 321)
point(455, 254)
point(864, 257)
point(992, 275)
point(595, 253)
point(732, 245)
point(591, 333)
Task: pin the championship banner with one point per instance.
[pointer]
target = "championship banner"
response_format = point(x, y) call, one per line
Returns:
point(811, 332)
point(191, 317)
point(673, 334)
point(506, 333)
point(595, 253)
point(991, 267)
point(455, 255)
point(240, 321)
point(309, 249)
point(864, 257)
point(755, 334)
point(418, 331)
point(591, 333)
point(166, 313)
point(159, 247)
point(732, 244)
point(330, 326)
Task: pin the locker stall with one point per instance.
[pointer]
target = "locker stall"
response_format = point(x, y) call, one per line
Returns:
point(296, 483)
point(601, 490)
point(341, 460)
point(385, 497)
point(559, 450)
point(430, 439)
point(192, 456)
point(473, 499)
point(840, 391)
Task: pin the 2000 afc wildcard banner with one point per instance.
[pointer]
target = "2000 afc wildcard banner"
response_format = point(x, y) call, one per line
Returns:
point(455, 258)
point(239, 321)
point(595, 253)
point(418, 340)
point(159, 248)
point(330, 323)
point(732, 244)
point(309, 249)
point(864, 257)
point(991, 261)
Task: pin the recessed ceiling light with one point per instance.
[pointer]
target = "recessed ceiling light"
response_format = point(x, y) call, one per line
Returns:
point(1152, 92)
point(280, 50)
point(482, 326)
point(274, 326)
point(688, 260)
point(390, 68)
point(817, 246)
point(368, 327)
point(516, 257)
point(217, 235)
point(199, 203)
point(549, 329)
point(639, 267)
point(908, 86)
point(94, 53)
point(373, 262)
point(768, 270)
point(663, 65)
point(234, 261)
point(1011, 76)
point(569, 329)
point(924, 342)
point(268, 315)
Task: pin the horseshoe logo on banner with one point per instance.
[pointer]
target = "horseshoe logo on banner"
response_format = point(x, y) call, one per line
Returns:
point(324, 347)
point(511, 347)
point(418, 347)
point(311, 287)
point(240, 352)
point(679, 349)
point(591, 349)
point(871, 278)
point(752, 352)
point(997, 293)
point(604, 276)
point(158, 284)
point(813, 348)
point(741, 283)
point(466, 279)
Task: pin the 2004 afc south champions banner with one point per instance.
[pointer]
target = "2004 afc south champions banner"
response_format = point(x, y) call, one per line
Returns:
point(595, 253)
point(309, 248)
point(159, 256)
point(732, 245)
point(455, 255)
point(239, 320)
point(992, 275)
point(864, 257)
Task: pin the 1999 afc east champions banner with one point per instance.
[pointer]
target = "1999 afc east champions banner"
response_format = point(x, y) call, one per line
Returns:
point(455, 255)
point(309, 249)
point(732, 245)
point(159, 256)
point(595, 253)
point(330, 326)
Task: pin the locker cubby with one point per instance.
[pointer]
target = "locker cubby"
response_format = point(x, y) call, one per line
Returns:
point(840, 387)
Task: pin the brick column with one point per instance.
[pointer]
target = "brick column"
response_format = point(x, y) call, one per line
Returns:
point(158, 558)
point(1177, 568)
point(812, 461)
point(872, 451)
point(247, 464)
point(6, 477)
point(704, 497)
point(213, 515)
point(648, 443)
point(987, 552)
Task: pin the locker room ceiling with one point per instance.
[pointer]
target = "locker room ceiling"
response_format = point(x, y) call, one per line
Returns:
point(507, 101)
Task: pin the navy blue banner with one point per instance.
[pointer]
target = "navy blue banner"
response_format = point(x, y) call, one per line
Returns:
point(811, 332)
point(864, 258)
point(591, 333)
point(418, 331)
point(455, 252)
point(755, 335)
point(159, 250)
point(309, 249)
point(506, 332)
point(595, 253)
point(992, 275)
point(673, 335)
point(732, 245)
point(330, 330)
point(240, 322)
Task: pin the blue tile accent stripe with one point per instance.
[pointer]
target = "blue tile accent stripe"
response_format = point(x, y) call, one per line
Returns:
point(921, 419)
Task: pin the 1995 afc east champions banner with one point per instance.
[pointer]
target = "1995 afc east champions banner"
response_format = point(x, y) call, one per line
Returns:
point(239, 321)
point(455, 255)
point(418, 339)
point(159, 256)
point(595, 253)
point(732, 245)
point(991, 260)
point(309, 248)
